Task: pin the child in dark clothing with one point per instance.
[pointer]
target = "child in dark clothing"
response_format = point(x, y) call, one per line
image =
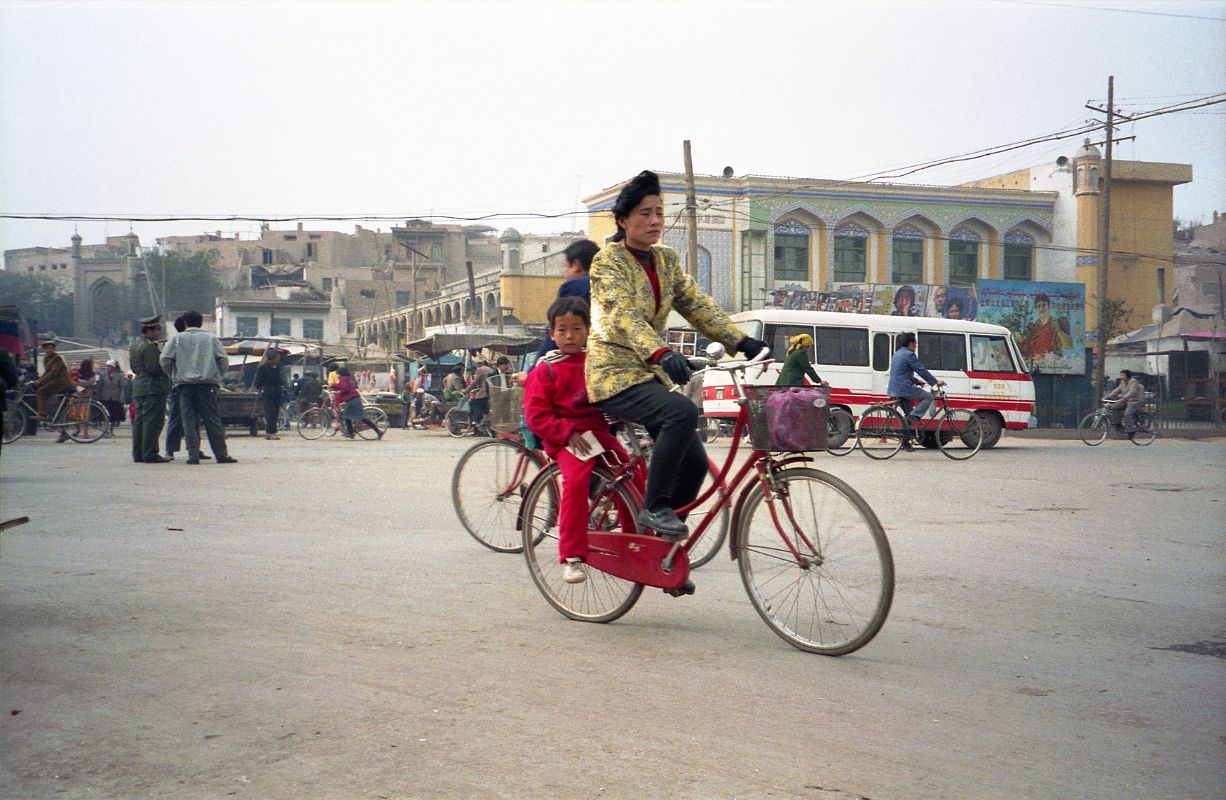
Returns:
point(557, 410)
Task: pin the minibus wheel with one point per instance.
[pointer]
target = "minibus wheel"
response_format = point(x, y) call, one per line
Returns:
point(992, 429)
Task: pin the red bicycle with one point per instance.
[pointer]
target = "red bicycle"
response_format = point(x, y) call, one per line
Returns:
point(812, 555)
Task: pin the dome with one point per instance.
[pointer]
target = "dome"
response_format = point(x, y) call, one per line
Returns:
point(511, 235)
point(1088, 151)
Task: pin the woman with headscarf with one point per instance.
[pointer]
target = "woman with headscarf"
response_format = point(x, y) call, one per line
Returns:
point(796, 364)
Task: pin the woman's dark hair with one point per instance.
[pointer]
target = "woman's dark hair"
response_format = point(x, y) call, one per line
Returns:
point(906, 339)
point(645, 184)
point(571, 304)
point(905, 291)
point(582, 251)
point(86, 370)
point(953, 301)
point(342, 371)
point(1127, 372)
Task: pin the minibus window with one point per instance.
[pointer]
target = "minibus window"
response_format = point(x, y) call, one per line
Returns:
point(777, 337)
point(943, 350)
point(844, 347)
point(990, 354)
point(881, 351)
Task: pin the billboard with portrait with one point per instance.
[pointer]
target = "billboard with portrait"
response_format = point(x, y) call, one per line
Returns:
point(1047, 319)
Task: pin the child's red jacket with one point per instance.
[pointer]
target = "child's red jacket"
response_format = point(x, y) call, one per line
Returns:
point(555, 401)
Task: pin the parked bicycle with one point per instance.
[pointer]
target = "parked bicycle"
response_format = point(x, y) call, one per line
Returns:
point(812, 555)
point(883, 431)
point(1094, 426)
point(81, 418)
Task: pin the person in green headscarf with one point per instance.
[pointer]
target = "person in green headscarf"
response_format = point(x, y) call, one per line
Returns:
point(796, 364)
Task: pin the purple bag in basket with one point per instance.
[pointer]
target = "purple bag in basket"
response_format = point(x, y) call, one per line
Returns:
point(796, 418)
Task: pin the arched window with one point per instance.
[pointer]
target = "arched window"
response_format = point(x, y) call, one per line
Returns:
point(963, 257)
point(791, 254)
point(1019, 256)
point(704, 269)
point(850, 253)
point(908, 255)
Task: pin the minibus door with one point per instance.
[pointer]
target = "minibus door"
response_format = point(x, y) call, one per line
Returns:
point(883, 350)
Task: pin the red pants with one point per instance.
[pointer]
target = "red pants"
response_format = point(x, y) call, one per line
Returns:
point(576, 486)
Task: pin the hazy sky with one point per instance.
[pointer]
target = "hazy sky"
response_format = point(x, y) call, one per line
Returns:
point(467, 108)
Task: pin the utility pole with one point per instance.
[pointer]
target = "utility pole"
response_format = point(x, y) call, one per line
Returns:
point(1104, 249)
point(691, 213)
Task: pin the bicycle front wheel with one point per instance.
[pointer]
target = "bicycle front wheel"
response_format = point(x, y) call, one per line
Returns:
point(312, 423)
point(822, 577)
point(92, 420)
point(487, 489)
point(602, 597)
point(15, 421)
point(375, 417)
point(959, 434)
point(880, 432)
point(456, 423)
point(1144, 434)
point(1093, 429)
point(840, 433)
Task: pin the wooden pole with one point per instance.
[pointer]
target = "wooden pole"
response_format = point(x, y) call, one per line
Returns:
point(1104, 248)
point(691, 213)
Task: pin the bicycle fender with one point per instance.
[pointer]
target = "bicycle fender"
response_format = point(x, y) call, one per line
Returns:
point(734, 541)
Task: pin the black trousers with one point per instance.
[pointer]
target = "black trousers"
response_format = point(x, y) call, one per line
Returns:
point(272, 407)
point(678, 460)
point(198, 406)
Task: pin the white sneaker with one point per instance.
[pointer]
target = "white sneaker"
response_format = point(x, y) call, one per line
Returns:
point(572, 571)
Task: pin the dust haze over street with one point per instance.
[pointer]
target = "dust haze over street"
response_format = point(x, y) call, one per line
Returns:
point(321, 626)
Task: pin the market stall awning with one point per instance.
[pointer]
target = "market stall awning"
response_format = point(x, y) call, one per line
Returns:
point(441, 343)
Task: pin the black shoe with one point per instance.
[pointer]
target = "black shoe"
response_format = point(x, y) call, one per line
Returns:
point(206, 456)
point(682, 590)
point(156, 460)
point(664, 522)
point(193, 460)
point(908, 444)
point(227, 460)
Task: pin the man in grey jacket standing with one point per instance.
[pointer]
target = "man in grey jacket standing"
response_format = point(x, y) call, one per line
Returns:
point(197, 360)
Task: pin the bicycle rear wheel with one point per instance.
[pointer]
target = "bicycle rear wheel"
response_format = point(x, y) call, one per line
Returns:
point(713, 537)
point(959, 434)
point(602, 597)
point(834, 597)
point(487, 490)
point(91, 420)
point(840, 433)
point(880, 432)
point(15, 421)
point(456, 423)
point(312, 423)
point(1093, 429)
point(1144, 434)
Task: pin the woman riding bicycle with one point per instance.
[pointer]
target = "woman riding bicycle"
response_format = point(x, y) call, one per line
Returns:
point(630, 369)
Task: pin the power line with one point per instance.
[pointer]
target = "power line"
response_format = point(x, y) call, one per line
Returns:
point(1117, 10)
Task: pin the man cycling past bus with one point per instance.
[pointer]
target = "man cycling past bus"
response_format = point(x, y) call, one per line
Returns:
point(914, 401)
point(1130, 394)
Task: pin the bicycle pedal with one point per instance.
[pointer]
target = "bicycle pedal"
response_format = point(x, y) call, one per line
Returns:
point(682, 590)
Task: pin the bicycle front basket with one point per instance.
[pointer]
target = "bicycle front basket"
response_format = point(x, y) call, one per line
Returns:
point(788, 418)
point(506, 408)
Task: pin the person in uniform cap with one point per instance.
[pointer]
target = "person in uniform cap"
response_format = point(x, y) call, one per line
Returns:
point(149, 389)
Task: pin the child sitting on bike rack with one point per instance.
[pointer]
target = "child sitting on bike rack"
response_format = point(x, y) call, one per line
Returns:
point(557, 410)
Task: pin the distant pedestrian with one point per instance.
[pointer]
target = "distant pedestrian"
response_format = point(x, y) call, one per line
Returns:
point(350, 402)
point(86, 378)
point(309, 389)
point(55, 377)
point(109, 391)
point(174, 417)
point(268, 384)
point(198, 361)
point(453, 385)
point(149, 390)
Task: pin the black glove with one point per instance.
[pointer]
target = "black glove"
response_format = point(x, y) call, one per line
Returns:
point(676, 367)
point(750, 347)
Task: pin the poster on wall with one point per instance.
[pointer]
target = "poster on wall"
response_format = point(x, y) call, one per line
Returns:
point(1047, 320)
point(953, 302)
point(899, 300)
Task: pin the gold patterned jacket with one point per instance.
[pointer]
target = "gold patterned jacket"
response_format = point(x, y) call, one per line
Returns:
point(627, 328)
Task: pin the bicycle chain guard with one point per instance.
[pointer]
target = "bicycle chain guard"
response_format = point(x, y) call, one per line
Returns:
point(637, 558)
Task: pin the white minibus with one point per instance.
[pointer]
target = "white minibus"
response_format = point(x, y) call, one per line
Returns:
point(980, 363)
